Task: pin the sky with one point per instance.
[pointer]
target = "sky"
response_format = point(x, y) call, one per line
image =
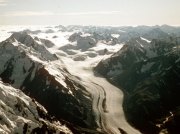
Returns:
point(90, 12)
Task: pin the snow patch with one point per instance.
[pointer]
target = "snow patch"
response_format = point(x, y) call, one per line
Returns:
point(115, 35)
point(148, 41)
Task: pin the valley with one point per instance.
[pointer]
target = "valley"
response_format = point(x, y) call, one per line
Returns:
point(104, 80)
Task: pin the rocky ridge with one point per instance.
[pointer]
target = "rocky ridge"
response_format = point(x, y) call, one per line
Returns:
point(148, 74)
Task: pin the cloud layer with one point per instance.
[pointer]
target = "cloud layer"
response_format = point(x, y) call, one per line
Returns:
point(49, 13)
point(3, 2)
point(28, 13)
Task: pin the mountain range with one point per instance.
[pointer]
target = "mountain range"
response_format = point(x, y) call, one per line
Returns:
point(88, 79)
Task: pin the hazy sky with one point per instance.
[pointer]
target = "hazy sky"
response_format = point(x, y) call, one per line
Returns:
point(90, 12)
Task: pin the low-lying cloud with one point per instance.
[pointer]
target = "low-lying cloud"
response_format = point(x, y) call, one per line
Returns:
point(3, 2)
point(49, 13)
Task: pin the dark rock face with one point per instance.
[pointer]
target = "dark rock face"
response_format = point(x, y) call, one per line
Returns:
point(155, 33)
point(150, 83)
point(56, 99)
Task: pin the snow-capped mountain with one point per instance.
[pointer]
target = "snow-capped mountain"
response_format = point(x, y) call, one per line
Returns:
point(148, 73)
point(26, 64)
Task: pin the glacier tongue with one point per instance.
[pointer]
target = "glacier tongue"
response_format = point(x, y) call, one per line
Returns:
point(106, 98)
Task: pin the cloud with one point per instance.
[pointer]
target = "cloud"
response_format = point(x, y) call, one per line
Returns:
point(28, 13)
point(92, 13)
point(3, 2)
point(49, 13)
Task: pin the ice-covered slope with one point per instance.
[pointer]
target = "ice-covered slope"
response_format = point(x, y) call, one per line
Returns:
point(21, 114)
